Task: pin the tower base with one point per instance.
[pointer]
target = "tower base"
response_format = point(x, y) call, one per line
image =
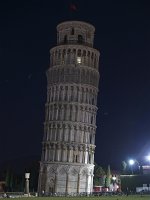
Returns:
point(65, 178)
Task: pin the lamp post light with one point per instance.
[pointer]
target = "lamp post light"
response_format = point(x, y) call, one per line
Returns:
point(27, 176)
point(114, 182)
point(114, 178)
point(148, 158)
point(131, 163)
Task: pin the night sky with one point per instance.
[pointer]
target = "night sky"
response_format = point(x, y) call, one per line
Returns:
point(28, 31)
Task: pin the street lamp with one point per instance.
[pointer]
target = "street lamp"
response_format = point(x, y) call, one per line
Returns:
point(114, 178)
point(27, 176)
point(114, 183)
point(131, 163)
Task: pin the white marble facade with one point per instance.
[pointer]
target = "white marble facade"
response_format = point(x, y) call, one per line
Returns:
point(67, 161)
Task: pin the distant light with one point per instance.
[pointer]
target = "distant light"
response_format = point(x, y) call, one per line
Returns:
point(131, 162)
point(78, 60)
point(27, 175)
point(148, 157)
point(114, 178)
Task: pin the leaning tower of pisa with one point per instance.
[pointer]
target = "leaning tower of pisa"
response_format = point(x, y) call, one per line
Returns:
point(67, 161)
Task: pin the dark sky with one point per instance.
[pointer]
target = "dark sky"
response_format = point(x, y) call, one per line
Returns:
point(28, 31)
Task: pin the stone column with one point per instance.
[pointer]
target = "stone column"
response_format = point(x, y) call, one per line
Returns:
point(73, 113)
point(50, 154)
point(50, 132)
point(93, 138)
point(83, 114)
point(85, 155)
point(92, 157)
point(60, 138)
point(57, 112)
point(55, 132)
point(58, 153)
point(64, 155)
point(78, 113)
point(46, 152)
point(54, 94)
point(86, 134)
point(53, 152)
point(80, 154)
point(84, 95)
point(92, 183)
point(52, 111)
point(82, 134)
point(86, 114)
point(39, 183)
point(78, 184)
point(65, 133)
point(88, 96)
point(48, 112)
point(56, 177)
point(76, 134)
point(67, 183)
point(70, 156)
point(27, 176)
point(88, 183)
point(47, 135)
point(71, 133)
point(63, 94)
point(67, 113)
point(61, 91)
point(58, 91)
point(63, 112)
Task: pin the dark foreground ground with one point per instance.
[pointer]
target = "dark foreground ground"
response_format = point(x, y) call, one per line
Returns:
point(130, 197)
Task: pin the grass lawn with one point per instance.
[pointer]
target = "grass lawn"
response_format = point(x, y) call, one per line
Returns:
point(130, 197)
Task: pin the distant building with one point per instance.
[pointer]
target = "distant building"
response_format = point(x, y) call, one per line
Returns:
point(67, 161)
point(135, 182)
point(146, 169)
point(144, 188)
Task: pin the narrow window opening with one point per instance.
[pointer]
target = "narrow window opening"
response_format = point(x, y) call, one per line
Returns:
point(80, 39)
point(72, 31)
point(65, 39)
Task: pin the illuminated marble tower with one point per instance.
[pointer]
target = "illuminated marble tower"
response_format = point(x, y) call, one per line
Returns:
point(67, 161)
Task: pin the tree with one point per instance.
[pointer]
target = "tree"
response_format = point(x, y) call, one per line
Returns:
point(7, 179)
point(22, 183)
point(124, 167)
point(108, 177)
point(99, 175)
point(11, 182)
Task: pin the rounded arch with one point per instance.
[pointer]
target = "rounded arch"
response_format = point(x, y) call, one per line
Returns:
point(83, 171)
point(62, 170)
